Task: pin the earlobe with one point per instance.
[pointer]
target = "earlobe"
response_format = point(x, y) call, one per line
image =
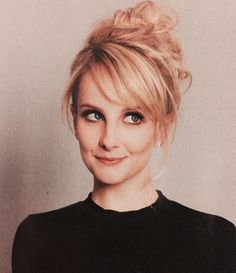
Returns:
point(158, 136)
point(162, 131)
point(169, 121)
point(158, 144)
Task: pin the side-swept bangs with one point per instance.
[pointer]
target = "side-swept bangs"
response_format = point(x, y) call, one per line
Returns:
point(132, 73)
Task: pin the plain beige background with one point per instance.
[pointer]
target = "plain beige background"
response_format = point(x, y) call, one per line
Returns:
point(40, 163)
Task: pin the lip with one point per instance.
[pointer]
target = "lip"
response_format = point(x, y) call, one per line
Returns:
point(109, 161)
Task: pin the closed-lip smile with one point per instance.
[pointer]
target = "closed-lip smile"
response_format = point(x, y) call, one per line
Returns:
point(110, 160)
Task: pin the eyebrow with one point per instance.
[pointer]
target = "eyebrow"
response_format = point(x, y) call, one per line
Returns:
point(87, 105)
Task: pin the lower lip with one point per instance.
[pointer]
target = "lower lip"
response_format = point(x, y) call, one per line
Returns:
point(109, 162)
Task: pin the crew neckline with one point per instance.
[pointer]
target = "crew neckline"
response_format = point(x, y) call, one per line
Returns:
point(139, 215)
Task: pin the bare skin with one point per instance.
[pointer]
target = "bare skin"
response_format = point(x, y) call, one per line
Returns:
point(116, 144)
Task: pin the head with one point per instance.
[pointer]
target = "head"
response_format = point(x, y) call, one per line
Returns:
point(138, 55)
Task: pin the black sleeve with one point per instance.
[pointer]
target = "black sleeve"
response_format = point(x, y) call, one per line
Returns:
point(225, 249)
point(22, 252)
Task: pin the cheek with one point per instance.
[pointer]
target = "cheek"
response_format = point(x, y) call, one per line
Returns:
point(141, 141)
point(87, 138)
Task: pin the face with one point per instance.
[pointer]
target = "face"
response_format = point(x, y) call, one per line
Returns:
point(115, 142)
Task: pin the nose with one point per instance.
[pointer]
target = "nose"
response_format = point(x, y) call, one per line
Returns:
point(109, 138)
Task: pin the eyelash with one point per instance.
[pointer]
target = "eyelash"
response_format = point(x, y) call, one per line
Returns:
point(135, 114)
point(86, 113)
point(138, 115)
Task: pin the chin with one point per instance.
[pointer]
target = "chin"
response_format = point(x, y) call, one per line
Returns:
point(109, 178)
point(114, 176)
point(109, 175)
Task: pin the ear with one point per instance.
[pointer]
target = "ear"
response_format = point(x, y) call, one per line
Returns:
point(168, 125)
point(158, 135)
point(169, 122)
point(163, 129)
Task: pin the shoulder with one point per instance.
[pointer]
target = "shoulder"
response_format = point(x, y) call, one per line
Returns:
point(209, 238)
point(202, 221)
point(40, 234)
point(198, 227)
point(51, 221)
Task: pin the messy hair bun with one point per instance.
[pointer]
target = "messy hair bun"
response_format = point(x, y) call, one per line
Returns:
point(142, 57)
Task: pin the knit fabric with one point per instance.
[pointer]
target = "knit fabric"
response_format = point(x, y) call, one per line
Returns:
point(165, 237)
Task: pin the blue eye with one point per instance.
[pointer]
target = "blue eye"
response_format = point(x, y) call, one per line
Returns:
point(92, 115)
point(133, 118)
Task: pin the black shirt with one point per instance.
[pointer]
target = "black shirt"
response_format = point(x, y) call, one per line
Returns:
point(165, 237)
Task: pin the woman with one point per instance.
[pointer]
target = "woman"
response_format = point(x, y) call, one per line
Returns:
point(123, 94)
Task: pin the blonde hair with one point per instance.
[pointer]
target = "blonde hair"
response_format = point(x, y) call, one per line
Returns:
point(138, 52)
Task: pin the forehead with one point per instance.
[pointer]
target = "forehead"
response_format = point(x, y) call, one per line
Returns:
point(100, 88)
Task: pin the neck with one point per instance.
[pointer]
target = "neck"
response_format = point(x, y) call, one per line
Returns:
point(133, 194)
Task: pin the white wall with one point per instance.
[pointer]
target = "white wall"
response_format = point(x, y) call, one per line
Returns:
point(40, 166)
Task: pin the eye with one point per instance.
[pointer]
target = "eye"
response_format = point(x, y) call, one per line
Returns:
point(92, 115)
point(133, 117)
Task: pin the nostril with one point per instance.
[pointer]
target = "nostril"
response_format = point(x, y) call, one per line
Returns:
point(109, 138)
point(107, 146)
